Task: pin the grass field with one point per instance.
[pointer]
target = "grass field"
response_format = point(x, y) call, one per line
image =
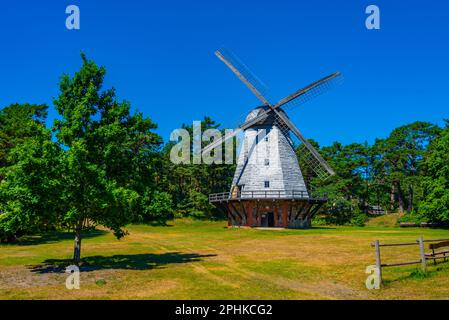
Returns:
point(205, 260)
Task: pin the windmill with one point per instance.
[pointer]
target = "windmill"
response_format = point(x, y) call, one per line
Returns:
point(268, 187)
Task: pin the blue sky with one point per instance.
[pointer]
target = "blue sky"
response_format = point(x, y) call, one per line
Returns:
point(159, 55)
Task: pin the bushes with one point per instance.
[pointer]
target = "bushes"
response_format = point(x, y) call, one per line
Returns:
point(359, 218)
point(412, 217)
point(29, 199)
point(196, 205)
point(160, 207)
point(435, 206)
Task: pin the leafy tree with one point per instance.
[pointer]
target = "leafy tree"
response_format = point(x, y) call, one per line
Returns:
point(17, 123)
point(347, 190)
point(435, 205)
point(389, 172)
point(23, 136)
point(190, 184)
point(160, 207)
point(107, 154)
point(400, 156)
point(29, 194)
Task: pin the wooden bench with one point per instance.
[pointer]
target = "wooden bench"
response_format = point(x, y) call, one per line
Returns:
point(441, 254)
point(407, 224)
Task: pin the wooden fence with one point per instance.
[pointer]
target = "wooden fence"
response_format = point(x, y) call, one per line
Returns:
point(423, 257)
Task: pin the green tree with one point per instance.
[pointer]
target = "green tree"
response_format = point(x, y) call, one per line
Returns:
point(190, 184)
point(399, 159)
point(22, 137)
point(160, 206)
point(347, 190)
point(435, 205)
point(29, 193)
point(17, 123)
point(107, 154)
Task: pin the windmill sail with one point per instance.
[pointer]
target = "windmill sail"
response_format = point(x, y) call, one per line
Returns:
point(313, 163)
point(308, 93)
point(244, 74)
point(242, 127)
point(315, 159)
point(310, 155)
point(268, 173)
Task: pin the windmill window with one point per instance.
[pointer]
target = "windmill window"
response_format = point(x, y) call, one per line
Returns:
point(267, 162)
point(267, 184)
point(266, 134)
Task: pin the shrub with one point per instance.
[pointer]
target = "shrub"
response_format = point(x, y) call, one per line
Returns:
point(160, 207)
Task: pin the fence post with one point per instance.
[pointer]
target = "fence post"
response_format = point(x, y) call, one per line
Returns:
point(378, 263)
point(423, 255)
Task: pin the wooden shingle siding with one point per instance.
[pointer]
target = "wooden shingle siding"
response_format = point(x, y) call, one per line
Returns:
point(283, 170)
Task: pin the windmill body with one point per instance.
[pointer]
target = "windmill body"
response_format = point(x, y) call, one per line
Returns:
point(268, 188)
point(267, 161)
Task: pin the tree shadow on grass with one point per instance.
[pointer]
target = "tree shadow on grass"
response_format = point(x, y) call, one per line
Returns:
point(124, 262)
point(55, 237)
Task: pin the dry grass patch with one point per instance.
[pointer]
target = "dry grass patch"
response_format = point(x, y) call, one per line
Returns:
point(205, 260)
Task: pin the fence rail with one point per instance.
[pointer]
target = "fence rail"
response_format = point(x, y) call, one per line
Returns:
point(265, 194)
point(423, 256)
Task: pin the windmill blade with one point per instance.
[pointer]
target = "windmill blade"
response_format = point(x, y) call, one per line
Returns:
point(244, 74)
point(262, 116)
point(313, 163)
point(220, 141)
point(316, 162)
point(311, 91)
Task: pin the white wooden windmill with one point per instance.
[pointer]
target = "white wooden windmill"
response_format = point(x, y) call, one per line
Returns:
point(268, 188)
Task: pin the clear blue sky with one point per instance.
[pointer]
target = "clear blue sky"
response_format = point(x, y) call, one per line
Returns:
point(159, 55)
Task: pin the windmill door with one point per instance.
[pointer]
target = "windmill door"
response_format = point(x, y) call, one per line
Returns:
point(267, 220)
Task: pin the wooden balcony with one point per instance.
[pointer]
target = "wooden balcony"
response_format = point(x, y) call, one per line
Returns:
point(266, 195)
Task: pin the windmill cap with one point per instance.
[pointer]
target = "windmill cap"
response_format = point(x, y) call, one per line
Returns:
point(258, 110)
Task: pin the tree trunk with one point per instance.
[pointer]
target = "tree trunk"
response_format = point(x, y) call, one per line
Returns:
point(400, 198)
point(77, 247)
point(392, 196)
point(410, 199)
point(396, 193)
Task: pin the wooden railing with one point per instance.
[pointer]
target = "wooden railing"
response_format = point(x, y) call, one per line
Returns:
point(265, 194)
point(423, 256)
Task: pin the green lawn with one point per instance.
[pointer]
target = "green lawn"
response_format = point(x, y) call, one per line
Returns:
point(205, 260)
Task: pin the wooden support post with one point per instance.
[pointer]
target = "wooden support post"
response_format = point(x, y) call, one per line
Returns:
point(249, 214)
point(423, 254)
point(285, 208)
point(378, 262)
point(276, 215)
point(230, 215)
point(257, 214)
